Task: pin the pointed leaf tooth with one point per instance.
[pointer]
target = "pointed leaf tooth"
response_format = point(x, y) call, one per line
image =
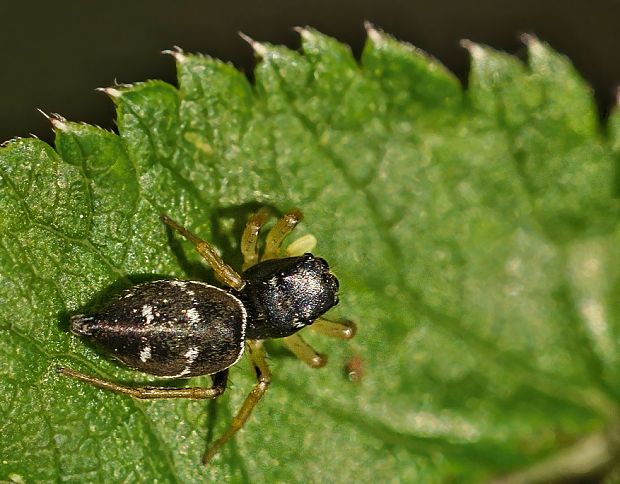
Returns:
point(259, 49)
point(372, 32)
point(112, 92)
point(176, 52)
point(409, 76)
point(568, 97)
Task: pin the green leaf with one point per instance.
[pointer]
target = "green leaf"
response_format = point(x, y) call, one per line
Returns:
point(475, 234)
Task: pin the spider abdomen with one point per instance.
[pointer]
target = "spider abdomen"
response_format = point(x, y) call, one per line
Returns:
point(173, 329)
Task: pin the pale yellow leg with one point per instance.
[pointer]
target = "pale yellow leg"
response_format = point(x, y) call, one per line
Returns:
point(304, 351)
point(223, 272)
point(197, 393)
point(249, 238)
point(277, 234)
point(263, 375)
point(334, 329)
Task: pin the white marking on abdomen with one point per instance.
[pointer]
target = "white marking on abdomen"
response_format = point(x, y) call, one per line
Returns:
point(145, 354)
point(190, 356)
point(147, 312)
point(193, 316)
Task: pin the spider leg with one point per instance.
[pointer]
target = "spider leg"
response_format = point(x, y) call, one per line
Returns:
point(263, 377)
point(249, 238)
point(196, 393)
point(223, 271)
point(279, 231)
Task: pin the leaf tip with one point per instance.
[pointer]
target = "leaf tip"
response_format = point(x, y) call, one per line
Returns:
point(474, 49)
point(112, 92)
point(535, 47)
point(58, 122)
point(528, 38)
point(60, 125)
point(258, 48)
point(532, 42)
point(45, 115)
point(466, 43)
point(175, 52)
point(305, 32)
point(372, 32)
point(15, 139)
